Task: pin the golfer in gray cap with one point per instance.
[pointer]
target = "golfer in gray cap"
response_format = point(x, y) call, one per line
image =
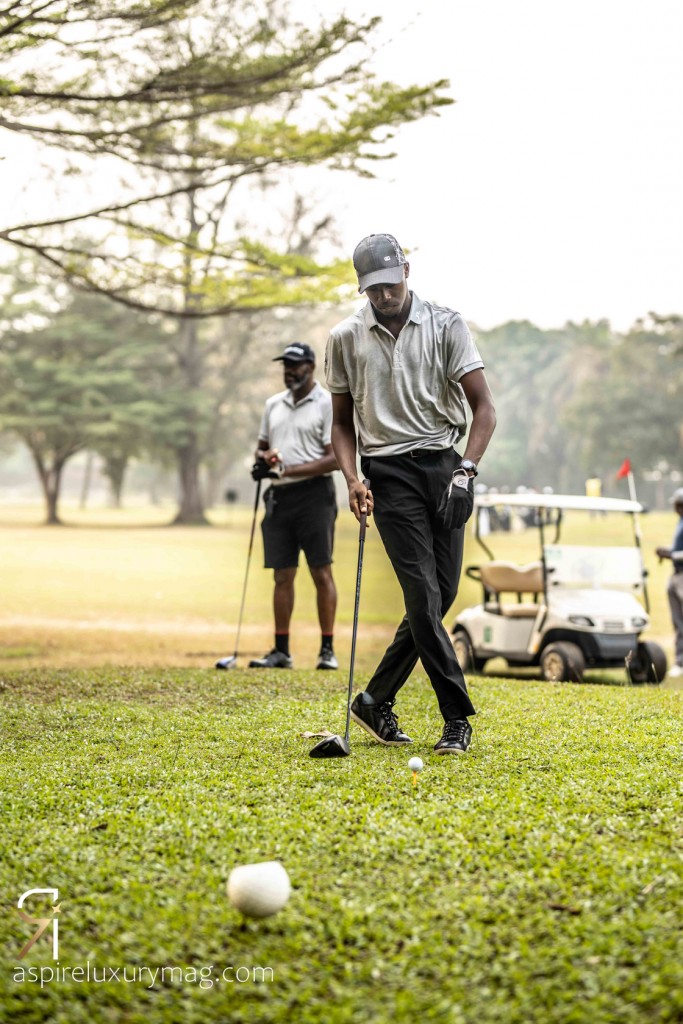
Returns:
point(401, 372)
point(675, 587)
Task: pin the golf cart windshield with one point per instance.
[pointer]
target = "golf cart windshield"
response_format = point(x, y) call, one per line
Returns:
point(570, 565)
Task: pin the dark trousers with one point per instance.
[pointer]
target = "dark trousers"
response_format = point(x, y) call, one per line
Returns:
point(427, 560)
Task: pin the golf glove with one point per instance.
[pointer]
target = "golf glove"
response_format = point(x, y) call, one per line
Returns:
point(457, 501)
point(262, 470)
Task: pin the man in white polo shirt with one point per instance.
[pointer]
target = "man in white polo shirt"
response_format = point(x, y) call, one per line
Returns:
point(295, 453)
point(400, 371)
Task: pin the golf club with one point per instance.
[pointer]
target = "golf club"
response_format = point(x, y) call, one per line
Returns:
point(338, 746)
point(231, 661)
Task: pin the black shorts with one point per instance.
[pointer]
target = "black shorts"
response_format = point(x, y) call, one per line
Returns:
point(299, 517)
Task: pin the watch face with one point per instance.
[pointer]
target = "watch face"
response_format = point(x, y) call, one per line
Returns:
point(468, 465)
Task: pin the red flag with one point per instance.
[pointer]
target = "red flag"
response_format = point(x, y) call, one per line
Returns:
point(624, 469)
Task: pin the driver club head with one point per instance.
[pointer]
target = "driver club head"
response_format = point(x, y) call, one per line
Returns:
point(226, 663)
point(331, 746)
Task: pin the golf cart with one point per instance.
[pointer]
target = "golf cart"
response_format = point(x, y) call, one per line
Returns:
point(575, 608)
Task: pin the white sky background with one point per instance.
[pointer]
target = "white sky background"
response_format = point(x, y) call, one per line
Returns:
point(553, 189)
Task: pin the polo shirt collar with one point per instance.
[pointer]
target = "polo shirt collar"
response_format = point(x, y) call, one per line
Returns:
point(312, 396)
point(414, 316)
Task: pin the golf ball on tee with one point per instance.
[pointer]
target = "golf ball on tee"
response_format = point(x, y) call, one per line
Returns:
point(259, 890)
point(416, 764)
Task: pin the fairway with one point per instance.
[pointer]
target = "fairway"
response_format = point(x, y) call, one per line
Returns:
point(122, 587)
point(535, 879)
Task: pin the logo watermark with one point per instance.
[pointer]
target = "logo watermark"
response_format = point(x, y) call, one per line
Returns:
point(151, 977)
point(42, 922)
point(206, 976)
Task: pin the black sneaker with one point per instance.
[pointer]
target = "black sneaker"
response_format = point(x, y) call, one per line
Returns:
point(274, 659)
point(457, 736)
point(379, 720)
point(327, 658)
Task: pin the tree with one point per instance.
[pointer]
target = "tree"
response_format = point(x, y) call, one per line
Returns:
point(194, 126)
point(632, 405)
point(189, 122)
point(536, 376)
point(72, 377)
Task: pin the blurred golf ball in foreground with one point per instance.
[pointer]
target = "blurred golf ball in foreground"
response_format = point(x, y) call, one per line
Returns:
point(415, 764)
point(259, 890)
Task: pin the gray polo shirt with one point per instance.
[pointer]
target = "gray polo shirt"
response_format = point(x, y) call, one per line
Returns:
point(405, 390)
point(301, 430)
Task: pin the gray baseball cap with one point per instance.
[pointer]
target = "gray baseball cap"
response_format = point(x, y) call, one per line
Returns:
point(378, 259)
point(677, 496)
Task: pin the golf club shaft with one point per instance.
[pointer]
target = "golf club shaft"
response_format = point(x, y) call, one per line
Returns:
point(246, 571)
point(359, 571)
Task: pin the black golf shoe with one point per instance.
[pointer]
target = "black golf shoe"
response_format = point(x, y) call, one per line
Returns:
point(379, 720)
point(327, 659)
point(456, 738)
point(274, 659)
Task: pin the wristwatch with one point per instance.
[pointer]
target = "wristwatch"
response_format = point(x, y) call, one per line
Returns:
point(469, 467)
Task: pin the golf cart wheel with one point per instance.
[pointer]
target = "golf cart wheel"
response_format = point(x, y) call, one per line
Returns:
point(464, 652)
point(563, 662)
point(648, 664)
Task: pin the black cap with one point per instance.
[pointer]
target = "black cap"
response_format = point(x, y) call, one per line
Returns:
point(378, 259)
point(298, 352)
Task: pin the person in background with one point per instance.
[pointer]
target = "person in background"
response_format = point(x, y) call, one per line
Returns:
point(675, 586)
point(295, 453)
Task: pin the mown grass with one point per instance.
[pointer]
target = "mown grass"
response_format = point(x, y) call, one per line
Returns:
point(537, 879)
point(119, 587)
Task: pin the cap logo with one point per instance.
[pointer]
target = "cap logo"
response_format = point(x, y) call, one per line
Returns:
point(378, 259)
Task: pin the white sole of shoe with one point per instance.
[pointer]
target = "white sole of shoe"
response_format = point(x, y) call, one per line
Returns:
point(450, 750)
point(369, 731)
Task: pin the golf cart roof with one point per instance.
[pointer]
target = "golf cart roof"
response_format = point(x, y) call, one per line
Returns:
point(572, 502)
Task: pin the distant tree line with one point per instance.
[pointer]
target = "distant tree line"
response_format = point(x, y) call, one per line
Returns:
point(574, 402)
point(80, 373)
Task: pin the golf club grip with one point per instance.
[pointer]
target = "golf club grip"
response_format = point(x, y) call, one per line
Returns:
point(364, 515)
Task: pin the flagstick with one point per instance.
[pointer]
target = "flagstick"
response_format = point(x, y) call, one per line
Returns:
point(631, 485)
point(633, 496)
point(636, 530)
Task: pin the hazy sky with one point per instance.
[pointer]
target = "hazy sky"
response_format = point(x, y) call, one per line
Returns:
point(553, 189)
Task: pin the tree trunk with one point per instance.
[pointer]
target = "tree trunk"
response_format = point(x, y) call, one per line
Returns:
point(51, 481)
point(52, 497)
point(189, 454)
point(115, 472)
point(191, 511)
point(87, 477)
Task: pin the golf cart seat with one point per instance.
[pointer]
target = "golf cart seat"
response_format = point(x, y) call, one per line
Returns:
point(507, 578)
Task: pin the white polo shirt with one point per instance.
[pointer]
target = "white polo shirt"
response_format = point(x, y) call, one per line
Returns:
point(300, 430)
point(406, 391)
